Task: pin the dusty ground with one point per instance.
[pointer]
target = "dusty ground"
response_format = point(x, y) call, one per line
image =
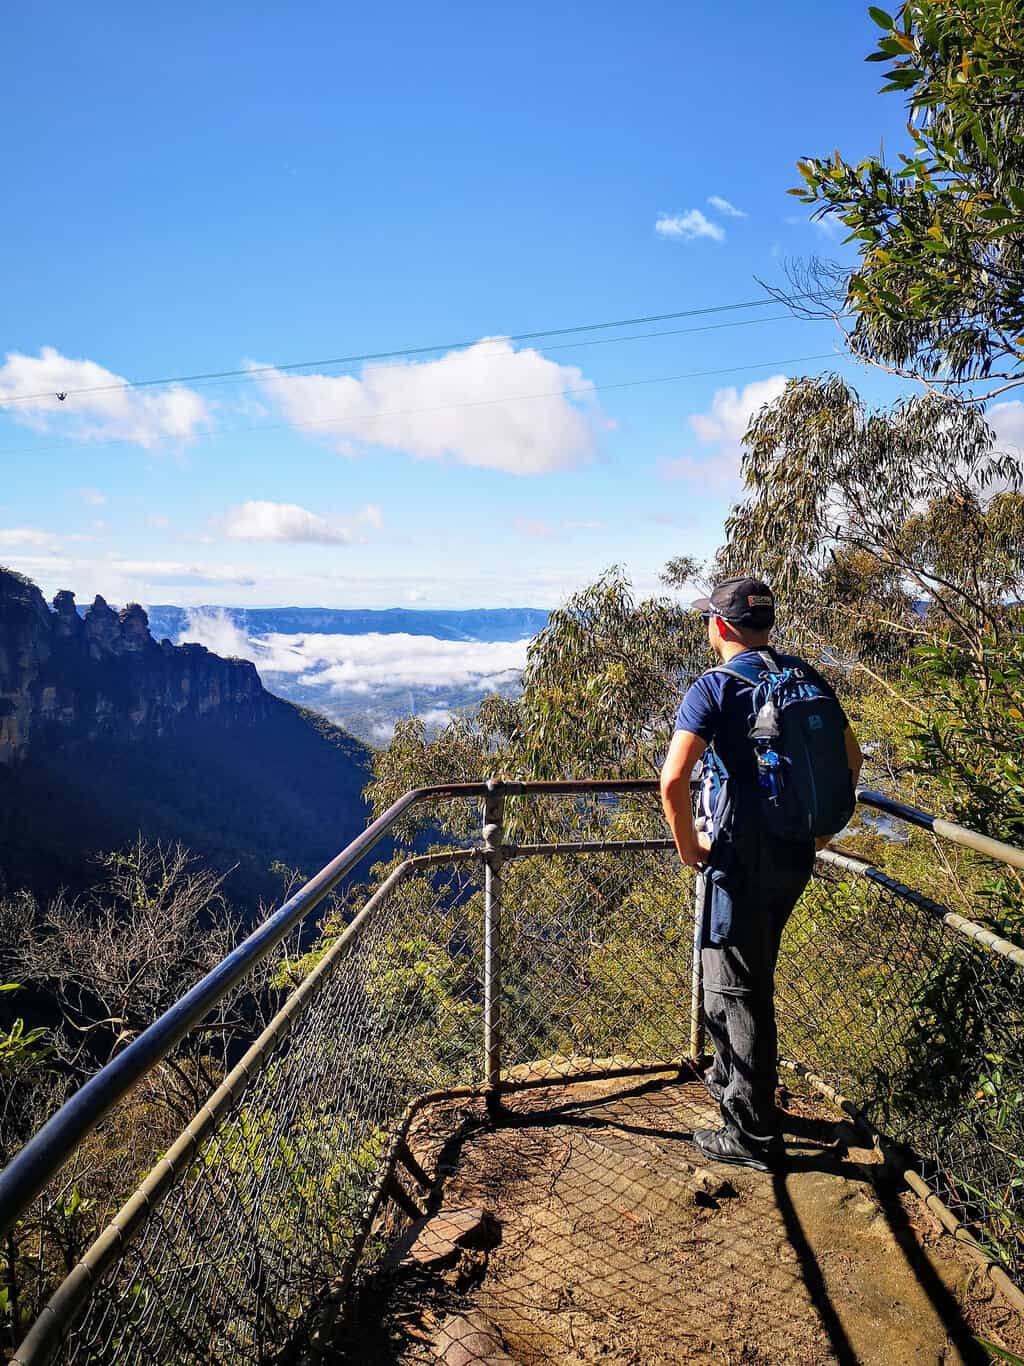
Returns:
point(618, 1244)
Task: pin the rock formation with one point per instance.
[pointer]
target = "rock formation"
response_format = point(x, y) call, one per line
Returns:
point(65, 677)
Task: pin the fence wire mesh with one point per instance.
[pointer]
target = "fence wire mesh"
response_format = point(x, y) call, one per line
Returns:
point(923, 1029)
point(596, 962)
point(268, 1208)
point(293, 1181)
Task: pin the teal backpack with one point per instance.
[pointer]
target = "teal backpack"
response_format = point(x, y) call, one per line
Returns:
point(798, 733)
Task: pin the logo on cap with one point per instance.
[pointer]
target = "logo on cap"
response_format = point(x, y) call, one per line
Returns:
point(760, 600)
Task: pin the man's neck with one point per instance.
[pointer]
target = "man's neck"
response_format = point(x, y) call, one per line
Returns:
point(732, 648)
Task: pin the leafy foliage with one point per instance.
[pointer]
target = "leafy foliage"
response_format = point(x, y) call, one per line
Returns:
point(971, 746)
point(938, 294)
point(882, 510)
point(100, 967)
point(602, 682)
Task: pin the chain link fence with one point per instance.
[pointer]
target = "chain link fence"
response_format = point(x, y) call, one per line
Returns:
point(269, 1196)
point(560, 949)
point(919, 1019)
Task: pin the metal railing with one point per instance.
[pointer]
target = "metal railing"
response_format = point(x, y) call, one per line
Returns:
point(472, 973)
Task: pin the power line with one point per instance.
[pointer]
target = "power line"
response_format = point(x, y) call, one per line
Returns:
point(213, 375)
point(582, 390)
point(558, 346)
point(579, 390)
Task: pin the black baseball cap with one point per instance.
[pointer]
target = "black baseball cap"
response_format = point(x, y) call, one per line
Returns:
point(743, 601)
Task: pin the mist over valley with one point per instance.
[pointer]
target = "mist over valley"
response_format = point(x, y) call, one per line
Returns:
point(367, 669)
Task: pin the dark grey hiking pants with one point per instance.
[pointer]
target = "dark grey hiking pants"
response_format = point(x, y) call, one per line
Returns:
point(739, 986)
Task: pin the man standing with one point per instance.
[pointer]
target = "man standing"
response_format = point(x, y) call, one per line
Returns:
point(753, 878)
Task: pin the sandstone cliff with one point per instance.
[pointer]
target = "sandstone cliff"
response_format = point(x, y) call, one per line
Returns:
point(107, 734)
point(64, 677)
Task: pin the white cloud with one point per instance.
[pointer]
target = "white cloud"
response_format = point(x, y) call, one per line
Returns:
point(263, 521)
point(13, 537)
point(365, 663)
point(688, 226)
point(721, 429)
point(354, 662)
point(160, 522)
point(732, 409)
point(272, 576)
point(172, 573)
point(218, 633)
point(488, 406)
point(723, 206)
point(93, 497)
point(1007, 421)
point(112, 413)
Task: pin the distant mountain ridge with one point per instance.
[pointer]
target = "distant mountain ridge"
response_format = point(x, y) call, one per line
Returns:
point(475, 623)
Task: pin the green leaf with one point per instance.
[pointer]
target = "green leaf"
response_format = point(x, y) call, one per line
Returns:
point(880, 17)
point(1000, 1353)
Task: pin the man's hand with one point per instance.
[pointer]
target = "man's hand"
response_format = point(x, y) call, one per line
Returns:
point(695, 855)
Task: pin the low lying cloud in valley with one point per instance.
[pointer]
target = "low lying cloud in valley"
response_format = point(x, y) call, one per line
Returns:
point(368, 681)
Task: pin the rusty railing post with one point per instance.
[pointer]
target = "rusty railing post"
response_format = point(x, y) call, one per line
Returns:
point(494, 812)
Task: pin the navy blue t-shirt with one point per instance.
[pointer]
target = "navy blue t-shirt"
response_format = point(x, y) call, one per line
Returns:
point(717, 707)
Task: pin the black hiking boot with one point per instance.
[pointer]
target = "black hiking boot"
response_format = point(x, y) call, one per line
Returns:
point(722, 1145)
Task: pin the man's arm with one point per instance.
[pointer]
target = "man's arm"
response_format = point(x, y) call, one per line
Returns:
point(684, 751)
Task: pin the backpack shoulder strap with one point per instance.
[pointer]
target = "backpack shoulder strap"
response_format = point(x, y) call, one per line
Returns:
point(738, 671)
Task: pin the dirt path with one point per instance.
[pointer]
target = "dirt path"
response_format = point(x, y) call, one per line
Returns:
point(619, 1245)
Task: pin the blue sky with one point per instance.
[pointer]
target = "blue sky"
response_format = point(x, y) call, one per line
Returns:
point(199, 188)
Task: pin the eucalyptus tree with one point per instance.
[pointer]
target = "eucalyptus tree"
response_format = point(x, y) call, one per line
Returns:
point(938, 293)
point(860, 517)
point(602, 683)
